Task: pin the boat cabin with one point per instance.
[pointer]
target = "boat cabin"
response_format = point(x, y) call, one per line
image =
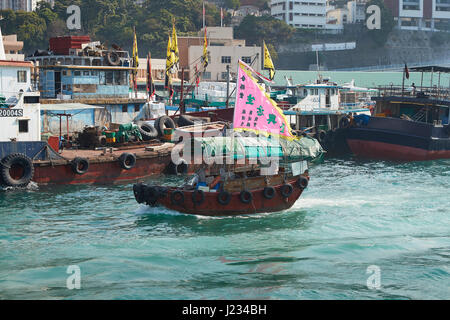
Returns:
point(19, 104)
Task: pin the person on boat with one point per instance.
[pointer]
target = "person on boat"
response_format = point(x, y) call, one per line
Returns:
point(413, 89)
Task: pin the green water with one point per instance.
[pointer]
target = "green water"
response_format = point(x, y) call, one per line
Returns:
point(353, 215)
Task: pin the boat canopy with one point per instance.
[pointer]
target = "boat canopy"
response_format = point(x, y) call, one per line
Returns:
point(68, 106)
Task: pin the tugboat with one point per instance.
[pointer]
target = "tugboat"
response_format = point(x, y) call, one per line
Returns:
point(409, 124)
point(234, 189)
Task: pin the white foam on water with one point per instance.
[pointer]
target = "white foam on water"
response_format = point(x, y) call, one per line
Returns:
point(145, 210)
point(321, 202)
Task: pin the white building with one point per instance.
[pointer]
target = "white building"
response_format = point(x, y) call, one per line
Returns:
point(223, 50)
point(428, 15)
point(353, 12)
point(307, 14)
point(22, 5)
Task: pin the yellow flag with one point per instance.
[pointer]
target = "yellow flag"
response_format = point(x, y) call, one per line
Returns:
point(170, 56)
point(205, 51)
point(268, 64)
point(175, 45)
point(135, 52)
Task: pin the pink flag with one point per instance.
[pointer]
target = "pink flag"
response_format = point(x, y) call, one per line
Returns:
point(255, 111)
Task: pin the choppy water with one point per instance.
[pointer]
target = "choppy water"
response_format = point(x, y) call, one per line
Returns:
point(353, 215)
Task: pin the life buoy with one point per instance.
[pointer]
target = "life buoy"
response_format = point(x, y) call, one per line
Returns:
point(224, 198)
point(13, 161)
point(246, 196)
point(177, 198)
point(287, 190)
point(302, 182)
point(269, 192)
point(127, 161)
point(112, 58)
point(80, 165)
point(195, 196)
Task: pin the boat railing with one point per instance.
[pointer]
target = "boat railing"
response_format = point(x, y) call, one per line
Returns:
point(434, 92)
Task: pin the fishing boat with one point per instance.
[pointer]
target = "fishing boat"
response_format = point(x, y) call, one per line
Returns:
point(266, 175)
point(409, 124)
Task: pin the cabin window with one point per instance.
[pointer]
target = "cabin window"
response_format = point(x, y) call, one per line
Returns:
point(109, 77)
point(125, 108)
point(86, 73)
point(102, 78)
point(137, 108)
point(21, 76)
point(226, 59)
point(316, 92)
point(94, 73)
point(77, 73)
point(305, 92)
point(64, 73)
point(23, 126)
point(247, 60)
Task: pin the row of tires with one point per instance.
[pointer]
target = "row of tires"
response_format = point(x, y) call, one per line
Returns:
point(149, 131)
point(80, 166)
point(246, 197)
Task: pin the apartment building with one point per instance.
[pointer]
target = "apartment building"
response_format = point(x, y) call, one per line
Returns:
point(307, 14)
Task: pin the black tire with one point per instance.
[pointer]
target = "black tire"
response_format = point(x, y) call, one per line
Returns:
point(138, 190)
point(112, 58)
point(80, 166)
point(174, 200)
point(195, 196)
point(269, 192)
point(224, 198)
point(302, 182)
point(150, 195)
point(17, 159)
point(164, 122)
point(178, 169)
point(287, 190)
point(127, 161)
point(246, 197)
point(184, 121)
point(148, 131)
point(102, 141)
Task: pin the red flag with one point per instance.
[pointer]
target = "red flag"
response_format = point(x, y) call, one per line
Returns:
point(197, 76)
point(406, 72)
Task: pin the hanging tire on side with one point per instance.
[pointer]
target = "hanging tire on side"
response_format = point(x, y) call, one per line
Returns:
point(127, 161)
point(246, 197)
point(138, 191)
point(321, 136)
point(287, 190)
point(195, 197)
point(302, 182)
point(162, 123)
point(80, 166)
point(178, 169)
point(177, 198)
point(19, 163)
point(112, 58)
point(148, 131)
point(224, 198)
point(269, 192)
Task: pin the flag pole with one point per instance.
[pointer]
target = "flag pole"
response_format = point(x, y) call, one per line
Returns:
point(204, 15)
point(403, 82)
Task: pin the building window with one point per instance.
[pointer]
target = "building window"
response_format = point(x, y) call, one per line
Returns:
point(291, 16)
point(206, 75)
point(224, 75)
point(291, 5)
point(226, 59)
point(125, 108)
point(22, 76)
point(23, 126)
point(247, 60)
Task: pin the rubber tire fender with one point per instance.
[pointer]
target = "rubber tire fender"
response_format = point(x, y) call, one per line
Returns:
point(27, 165)
point(174, 200)
point(112, 58)
point(164, 122)
point(76, 163)
point(321, 135)
point(224, 201)
point(246, 197)
point(269, 192)
point(127, 161)
point(148, 131)
point(302, 182)
point(287, 190)
point(138, 191)
point(195, 199)
point(178, 169)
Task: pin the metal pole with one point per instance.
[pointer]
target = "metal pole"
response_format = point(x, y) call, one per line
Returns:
point(403, 83)
point(421, 82)
point(439, 85)
point(182, 109)
point(228, 85)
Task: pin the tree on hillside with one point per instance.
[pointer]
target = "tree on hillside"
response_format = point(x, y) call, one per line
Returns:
point(256, 29)
point(232, 4)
